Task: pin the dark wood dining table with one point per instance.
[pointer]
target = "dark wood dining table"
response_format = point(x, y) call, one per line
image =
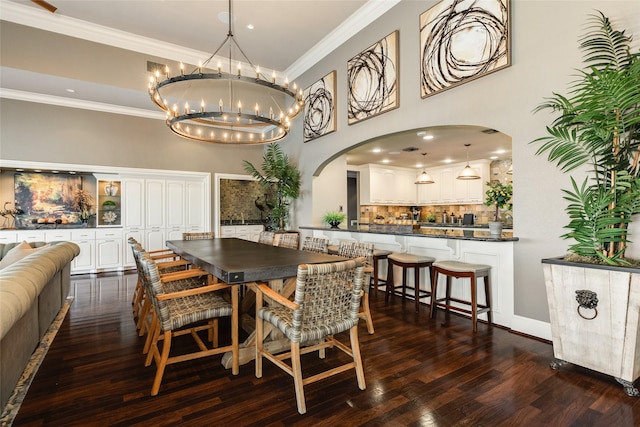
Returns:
point(243, 262)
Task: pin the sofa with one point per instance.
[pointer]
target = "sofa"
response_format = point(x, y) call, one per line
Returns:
point(33, 289)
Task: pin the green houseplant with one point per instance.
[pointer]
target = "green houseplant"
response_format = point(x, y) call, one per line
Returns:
point(599, 125)
point(281, 181)
point(333, 218)
point(594, 291)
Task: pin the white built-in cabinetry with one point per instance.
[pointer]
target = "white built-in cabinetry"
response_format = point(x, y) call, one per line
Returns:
point(246, 232)
point(156, 206)
point(386, 185)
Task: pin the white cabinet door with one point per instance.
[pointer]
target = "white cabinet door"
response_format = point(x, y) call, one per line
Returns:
point(175, 203)
point(155, 239)
point(196, 206)
point(133, 203)
point(31, 236)
point(109, 253)
point(155, 203)
point(175, 233)
point(8, 237)
point(446, 186)
point(254, 232)
point(227, 231)
point(85, 262)
point(405, 187)
point(127, 255)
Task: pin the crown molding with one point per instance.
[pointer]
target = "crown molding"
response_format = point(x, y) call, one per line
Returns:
point(79, 103)
point(362, 17)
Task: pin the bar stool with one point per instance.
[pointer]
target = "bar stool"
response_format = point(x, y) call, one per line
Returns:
point(406, 261)
point(378, 255)
point(459, 269)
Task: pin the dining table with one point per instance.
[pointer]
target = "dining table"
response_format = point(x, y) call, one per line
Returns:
point(242, 262)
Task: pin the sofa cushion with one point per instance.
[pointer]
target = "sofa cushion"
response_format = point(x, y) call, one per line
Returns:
point(17, 253)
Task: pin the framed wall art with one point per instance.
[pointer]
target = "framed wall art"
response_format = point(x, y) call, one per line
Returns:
point(462, 40)
point(372, 80)
point(320, 108)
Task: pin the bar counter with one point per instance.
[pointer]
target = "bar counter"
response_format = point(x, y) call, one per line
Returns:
point(440, 231)
point(461, 243)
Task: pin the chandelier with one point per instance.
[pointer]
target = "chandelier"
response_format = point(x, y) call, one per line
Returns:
point(233, 106)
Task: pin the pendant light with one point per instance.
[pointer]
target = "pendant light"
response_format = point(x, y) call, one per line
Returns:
point(424, 177)
point(468, 172)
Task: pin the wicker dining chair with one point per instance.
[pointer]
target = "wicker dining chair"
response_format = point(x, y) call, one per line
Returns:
point(326, 302)
point(287, 240)
point(175, 263)
point(182, 312)
point(176, 269)
point(199, 236)
point(316, 244)
point(350, 249)
point(266, 237)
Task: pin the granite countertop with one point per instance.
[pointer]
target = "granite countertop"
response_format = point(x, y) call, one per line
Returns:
point(241, 222)
point(479, 234)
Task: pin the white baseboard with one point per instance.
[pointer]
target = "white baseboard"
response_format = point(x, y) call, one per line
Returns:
point(531, 327)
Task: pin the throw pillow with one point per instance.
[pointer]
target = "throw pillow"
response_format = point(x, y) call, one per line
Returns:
point(17, 253)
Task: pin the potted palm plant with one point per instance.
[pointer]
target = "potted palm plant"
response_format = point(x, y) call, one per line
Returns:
point(594, 291)
point(281, 181)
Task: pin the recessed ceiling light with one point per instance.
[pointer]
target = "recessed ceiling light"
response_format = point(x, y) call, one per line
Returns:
point(72, 172)
point(37, 170)
point(386, 161)
point(493, 157)
point(19, 170)
point(447, 160)
point(427, 137)
point(71, 90)
point(376, 150)
point(250, 26)
point(500, 151)
point(55, 171)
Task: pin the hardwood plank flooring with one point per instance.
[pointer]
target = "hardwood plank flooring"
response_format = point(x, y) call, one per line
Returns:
point(418, 373)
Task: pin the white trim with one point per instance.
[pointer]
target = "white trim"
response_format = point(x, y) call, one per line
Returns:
point(97, 169)
point(79, 103)
point(362, 17)
point(535, 328)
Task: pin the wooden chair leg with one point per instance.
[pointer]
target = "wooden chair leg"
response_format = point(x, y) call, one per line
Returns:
point(434, 290)
point(416, 287)
point(357, 358)
point(150, 334)
point(235, 335)
point(389, 289)
point(474, 303)
point(487, 293)
point(259, 336)
point(162, 363)
point(297, 377)
point(366, 313)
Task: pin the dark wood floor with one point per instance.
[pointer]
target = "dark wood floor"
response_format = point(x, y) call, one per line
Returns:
point(418, 373)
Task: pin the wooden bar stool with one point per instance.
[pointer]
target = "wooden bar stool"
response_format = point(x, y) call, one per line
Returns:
point(378, 255)
point(459, 269)
point(406, 261)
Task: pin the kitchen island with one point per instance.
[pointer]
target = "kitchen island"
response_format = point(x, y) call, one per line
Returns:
point(474, 245)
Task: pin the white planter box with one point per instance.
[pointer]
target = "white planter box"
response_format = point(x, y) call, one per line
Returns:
point(604, 338)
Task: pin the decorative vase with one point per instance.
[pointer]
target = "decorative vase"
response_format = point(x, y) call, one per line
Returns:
point(334, 224)
point(495, 228)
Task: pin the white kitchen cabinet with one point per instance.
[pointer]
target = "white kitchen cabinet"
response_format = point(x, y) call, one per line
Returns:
point(108, 249)
point(387, 185)
point(8, 237)
point(127, 255)
point(447, 189)
point(196, 202)
point(246, 232)
point(30, 236)
point(175, 204)
point(155, 239)
point(85, 261)
point(57, 236)
point(133, 203)
point(155, 205)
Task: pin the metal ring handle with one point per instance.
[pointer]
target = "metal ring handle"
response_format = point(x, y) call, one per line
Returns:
point(588, 318)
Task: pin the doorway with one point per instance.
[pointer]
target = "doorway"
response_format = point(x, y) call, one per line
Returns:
point(353, 207)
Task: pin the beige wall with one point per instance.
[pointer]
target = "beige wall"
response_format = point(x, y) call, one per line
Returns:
point(544, 56)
